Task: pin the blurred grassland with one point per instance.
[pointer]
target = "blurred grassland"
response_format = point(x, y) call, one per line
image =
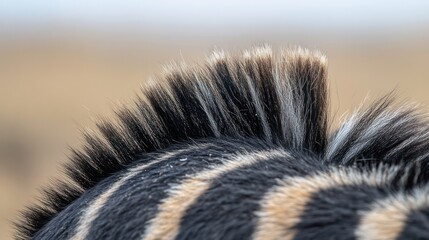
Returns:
point(49, 89)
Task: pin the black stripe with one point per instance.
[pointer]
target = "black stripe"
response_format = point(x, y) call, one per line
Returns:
point(227, 209)
point(334, 213)
point(417, 225)
point(63, 225)
point(129, 209)
point(309, 92)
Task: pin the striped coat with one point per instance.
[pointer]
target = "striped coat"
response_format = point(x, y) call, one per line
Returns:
point(240, 148)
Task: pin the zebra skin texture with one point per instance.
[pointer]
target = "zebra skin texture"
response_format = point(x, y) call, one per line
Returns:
point(240, 147)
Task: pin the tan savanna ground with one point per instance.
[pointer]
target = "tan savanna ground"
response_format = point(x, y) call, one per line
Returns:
point(51, 88)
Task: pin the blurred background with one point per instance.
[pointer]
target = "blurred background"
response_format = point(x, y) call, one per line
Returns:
point(65, 63)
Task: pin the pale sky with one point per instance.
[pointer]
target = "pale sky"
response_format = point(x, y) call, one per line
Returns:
point(356, 15)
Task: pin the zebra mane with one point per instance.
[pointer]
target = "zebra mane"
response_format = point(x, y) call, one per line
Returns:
point(280, 99)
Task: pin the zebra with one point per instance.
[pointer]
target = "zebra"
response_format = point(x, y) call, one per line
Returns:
point(242, 147)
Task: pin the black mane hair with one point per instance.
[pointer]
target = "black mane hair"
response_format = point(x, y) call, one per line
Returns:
point(279, 99)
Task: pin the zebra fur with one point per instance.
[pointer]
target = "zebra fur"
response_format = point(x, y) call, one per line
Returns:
point(239, 147)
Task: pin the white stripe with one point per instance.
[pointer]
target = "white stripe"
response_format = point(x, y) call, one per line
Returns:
point(368, 136)
point(259, 110)
point(340, 138)
point(387, 217)
point(203, 95)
